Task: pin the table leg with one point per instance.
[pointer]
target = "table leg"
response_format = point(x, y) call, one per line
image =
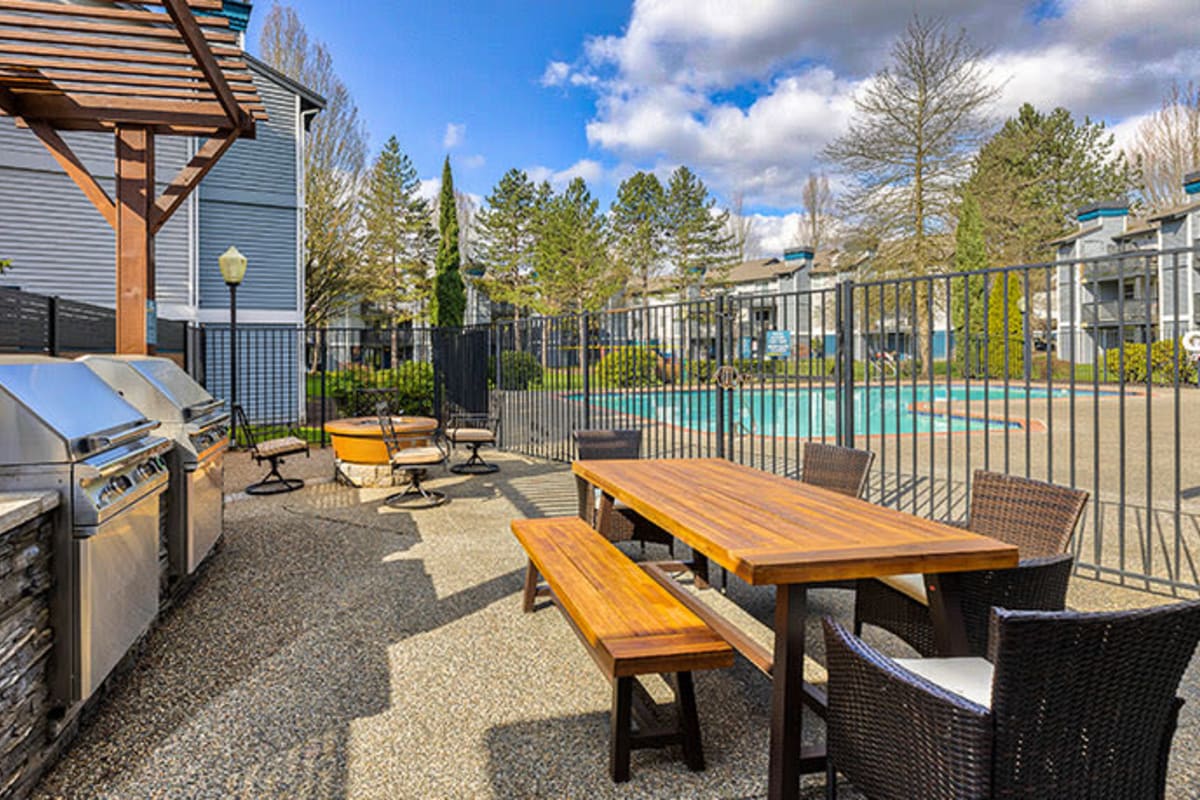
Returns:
point(945, 608)
point(700, 569)
point(787, 691)
point(587, 500)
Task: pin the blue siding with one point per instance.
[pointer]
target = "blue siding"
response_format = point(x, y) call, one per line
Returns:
point(270, 380)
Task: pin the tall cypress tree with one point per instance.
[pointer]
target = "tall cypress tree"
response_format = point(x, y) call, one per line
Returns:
point(966, 298)
point(450, 295)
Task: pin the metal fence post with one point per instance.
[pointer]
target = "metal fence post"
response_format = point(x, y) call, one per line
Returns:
point(720, 355)
point(583, 366)
point(52, 325)
point(844, 316)
point(324, 334)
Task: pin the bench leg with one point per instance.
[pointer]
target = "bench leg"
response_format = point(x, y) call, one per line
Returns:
point(689, 722)
point(620, 742)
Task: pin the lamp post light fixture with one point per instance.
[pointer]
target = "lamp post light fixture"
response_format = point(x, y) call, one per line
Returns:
point(233, 270)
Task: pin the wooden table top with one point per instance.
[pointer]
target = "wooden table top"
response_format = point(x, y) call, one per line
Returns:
point(770, 530)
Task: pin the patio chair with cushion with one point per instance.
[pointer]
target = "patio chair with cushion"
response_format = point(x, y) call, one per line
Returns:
point(839, 469)
point(1038, 517)
point(473, 431)
point(414, 461)
point(625, 524)
point(1071, 706)
point(272, 451)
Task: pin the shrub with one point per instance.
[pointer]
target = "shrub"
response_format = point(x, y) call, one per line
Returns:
point(631, 365)
point(1162, 363)
point(413, 383)
point(518, 370)
point(1005, 322)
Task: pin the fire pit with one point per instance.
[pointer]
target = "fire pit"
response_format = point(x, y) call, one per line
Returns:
point(360, 453)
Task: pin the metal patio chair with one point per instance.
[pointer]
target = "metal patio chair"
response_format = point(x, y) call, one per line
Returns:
point(1038, 517)
point(414, 461)
point(272, 451)
point(1071, 706)
point(473, 431)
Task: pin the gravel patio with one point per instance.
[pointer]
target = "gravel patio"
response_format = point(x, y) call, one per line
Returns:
point(337, 648)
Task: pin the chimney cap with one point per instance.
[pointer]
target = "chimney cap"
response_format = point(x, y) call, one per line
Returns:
point(1107, 208)
point(1191, 182)
point(794, 253)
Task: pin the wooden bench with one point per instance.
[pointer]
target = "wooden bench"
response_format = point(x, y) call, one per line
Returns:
point(271, 451)
point(631, 626)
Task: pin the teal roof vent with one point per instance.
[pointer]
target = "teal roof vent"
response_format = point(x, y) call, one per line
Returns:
point(798, 253)
point(1115, 208)
point(237, 12)
point(1191, 183)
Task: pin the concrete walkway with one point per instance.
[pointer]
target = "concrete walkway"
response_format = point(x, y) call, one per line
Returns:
point(336, 648)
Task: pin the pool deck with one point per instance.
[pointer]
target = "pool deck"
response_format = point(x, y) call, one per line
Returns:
point(336, 648)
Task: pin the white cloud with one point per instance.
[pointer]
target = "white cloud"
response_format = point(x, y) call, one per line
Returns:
point(590, 170)
point(473, 161)
point(456, 133)
point(430, 188)
point(748, 94)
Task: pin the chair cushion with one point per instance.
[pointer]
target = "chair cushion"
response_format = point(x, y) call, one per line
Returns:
point(463, 435)
point(912, 585)
point(418, 456)
point(966, 677)
point(281, 446)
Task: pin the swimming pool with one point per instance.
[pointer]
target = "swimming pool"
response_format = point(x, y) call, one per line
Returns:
point(805, 412)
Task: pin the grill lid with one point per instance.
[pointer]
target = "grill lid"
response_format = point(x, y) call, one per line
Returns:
point(59, 411)
point(156, 386)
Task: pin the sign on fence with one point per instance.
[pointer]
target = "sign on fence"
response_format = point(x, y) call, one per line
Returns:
point(779, 344)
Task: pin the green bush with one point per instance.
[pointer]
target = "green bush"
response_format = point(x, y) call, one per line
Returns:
point(1162, 363)
point(518, 370)
point(631, 365)
point(413, 384)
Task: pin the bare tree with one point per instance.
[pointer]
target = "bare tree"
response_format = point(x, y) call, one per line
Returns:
point(1167, 147)
point(740, 227)
point(909, 146)
point(813, 228)
point(335, 155)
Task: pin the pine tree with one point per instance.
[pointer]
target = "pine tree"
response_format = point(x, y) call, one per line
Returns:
point(966, 294)
point(450, 295)
point(1034, 174)
point(504, 243)
point(699, 245)
point(638, 218)
point(398, 241)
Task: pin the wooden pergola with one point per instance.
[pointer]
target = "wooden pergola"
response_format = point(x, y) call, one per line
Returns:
point(137, 70)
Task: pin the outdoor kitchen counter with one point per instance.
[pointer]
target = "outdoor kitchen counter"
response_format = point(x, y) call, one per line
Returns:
point(17, 508)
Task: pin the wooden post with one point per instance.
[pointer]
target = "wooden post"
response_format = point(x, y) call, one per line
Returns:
point(135, 199)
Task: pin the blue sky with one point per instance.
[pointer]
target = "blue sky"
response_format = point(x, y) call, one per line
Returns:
point(746, 93)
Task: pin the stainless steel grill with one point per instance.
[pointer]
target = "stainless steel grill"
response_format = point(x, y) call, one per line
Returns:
point(65, 430)
point(199, 425)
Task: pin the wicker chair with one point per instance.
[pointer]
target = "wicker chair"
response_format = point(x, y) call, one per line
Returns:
point(414, 461)
point(625, 524)
point(1072, 706)
point(839, 469)
point(1039, 518)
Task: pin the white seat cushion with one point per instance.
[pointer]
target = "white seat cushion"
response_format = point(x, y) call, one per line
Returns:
point(966, 677)
point(418, 456)
point(912, 585)
point(466, 435)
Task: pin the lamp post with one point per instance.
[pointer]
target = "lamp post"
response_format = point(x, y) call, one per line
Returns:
point(233, 270)
point(1026, 344)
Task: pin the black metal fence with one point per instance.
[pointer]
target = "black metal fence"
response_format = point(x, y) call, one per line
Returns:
point(1070, 372)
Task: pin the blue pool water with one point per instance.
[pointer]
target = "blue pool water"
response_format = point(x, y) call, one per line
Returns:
point(804, 412)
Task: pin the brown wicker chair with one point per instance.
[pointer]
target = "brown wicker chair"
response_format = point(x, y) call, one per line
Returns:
point(839, 469)
point(626, 524)
point(1039, 518)
point(1072, 707)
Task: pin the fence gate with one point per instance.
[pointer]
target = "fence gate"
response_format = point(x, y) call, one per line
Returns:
point(460, 362)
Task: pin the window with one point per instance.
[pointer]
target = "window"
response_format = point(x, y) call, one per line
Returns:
point(1130, 290)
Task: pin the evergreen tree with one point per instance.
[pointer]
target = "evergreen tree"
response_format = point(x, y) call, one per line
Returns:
point(399, 239)
point(574, 271)
point(1034, 174)
point(505, 234)
point(1006, 335)
point(450, 295)
point(966, 294)
point(698, 243)
point(638, 219)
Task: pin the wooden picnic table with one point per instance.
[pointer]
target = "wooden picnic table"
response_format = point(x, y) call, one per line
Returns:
point(770, 530)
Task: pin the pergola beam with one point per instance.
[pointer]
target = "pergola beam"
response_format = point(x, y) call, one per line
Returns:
point(202, 51)
point(100, 12)
point(75, 168)
point(189, 177)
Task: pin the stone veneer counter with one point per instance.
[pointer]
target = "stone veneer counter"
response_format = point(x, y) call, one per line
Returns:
point(26, 638)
